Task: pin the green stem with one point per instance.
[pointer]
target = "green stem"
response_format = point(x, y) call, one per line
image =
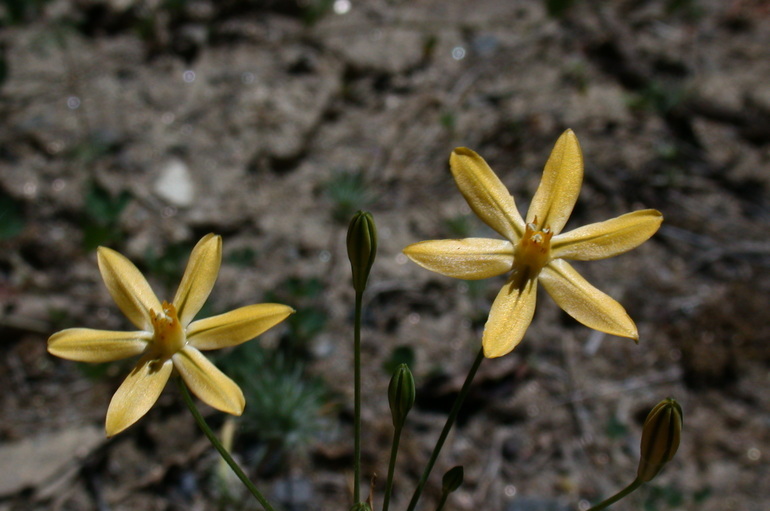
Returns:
point(442, 502)
point(392, 467)
point(621, 494)
point(219, 447)
point(449, 423)
point(357, 400)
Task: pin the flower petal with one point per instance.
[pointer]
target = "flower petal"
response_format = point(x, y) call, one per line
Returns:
point(584, 302)
point(486, 194)
point(128, 287)
point(509, 318)
point(608, 238)
point(137, 394)
point(470, 258)
point(199, 277)
point(236, 327)
point(207, 382)
point(88, 345)
point(560, 185)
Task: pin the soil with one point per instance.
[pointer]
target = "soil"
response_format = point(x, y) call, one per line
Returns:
point(143, 125)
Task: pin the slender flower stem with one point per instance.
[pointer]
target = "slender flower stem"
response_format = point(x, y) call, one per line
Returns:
point(445, 432)
point(357, 400)
point(621, 494)
point(442, 502)
point(219, 447)
point(391, 467)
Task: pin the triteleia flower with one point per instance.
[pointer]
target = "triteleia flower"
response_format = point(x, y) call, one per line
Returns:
point(168, 339)
point(535, 250)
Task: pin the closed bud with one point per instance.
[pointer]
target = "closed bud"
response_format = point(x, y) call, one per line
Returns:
point(362, 248)
point(361, 506)
point(660, 438)
point(452, 480)
point(401, 394)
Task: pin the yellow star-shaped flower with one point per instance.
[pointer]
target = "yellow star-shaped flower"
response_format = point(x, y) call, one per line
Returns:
point(167, 338)
point(535, 250)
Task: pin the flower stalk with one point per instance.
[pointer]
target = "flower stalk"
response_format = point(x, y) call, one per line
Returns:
point(357, 399)
point(188, 400)
point(447, 427)
point(362, 249)
point(620, 495)
point(401, 397)
point(449, 483)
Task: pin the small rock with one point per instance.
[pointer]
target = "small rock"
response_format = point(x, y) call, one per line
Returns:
point(36, 461)
point(175, 184)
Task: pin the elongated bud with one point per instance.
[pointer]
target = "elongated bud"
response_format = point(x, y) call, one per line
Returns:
point(401, 394)
point(660, 438)
point(362, 248)
point(452, 479)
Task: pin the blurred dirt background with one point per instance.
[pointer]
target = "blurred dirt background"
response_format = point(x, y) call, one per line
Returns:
point(144, 125)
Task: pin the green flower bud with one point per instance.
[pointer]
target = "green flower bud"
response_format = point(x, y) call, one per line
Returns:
point(401, 394)
point(361, 506)
point(660, 438)
point(362, 247)
point(452, 480)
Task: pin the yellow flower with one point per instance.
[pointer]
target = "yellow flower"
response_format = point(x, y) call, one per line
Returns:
point(535, 250)
point(167, 338)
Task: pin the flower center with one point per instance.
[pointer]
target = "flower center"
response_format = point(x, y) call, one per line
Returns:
point(532, 252)
point(169, 335)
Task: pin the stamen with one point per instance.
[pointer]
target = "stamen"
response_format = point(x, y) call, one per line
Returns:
point(532, 252)
point(169, 335)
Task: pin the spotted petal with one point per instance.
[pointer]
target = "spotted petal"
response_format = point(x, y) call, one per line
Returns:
point(207, 382)
point(236, 327)
point(470, 258)
point(560, 185)
point(137, 394)
point(608, 238)
point(88, 345)
point(584, 302)
point(199, 277)
point(509, 318)
point(128, 287)
point(485, 193)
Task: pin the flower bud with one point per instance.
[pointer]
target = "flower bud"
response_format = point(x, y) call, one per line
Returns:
point(452, 479)
point(362, 247)
point(401, 394)
point(660, 438)
point(361, 506)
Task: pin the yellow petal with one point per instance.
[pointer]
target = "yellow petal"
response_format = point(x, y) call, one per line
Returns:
point(236, 327)
point(470, 258)
point(137, 394)
point(608, 238)
point(560, 185)
point(486, 194)
point(199, 277)
point(88, 345)
point(584, 302)
point(207, 382)
point(128, 287)
point(509, 318)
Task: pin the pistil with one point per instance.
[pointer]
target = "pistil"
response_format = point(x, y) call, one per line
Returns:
point(169, 335)
point(532, 252)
